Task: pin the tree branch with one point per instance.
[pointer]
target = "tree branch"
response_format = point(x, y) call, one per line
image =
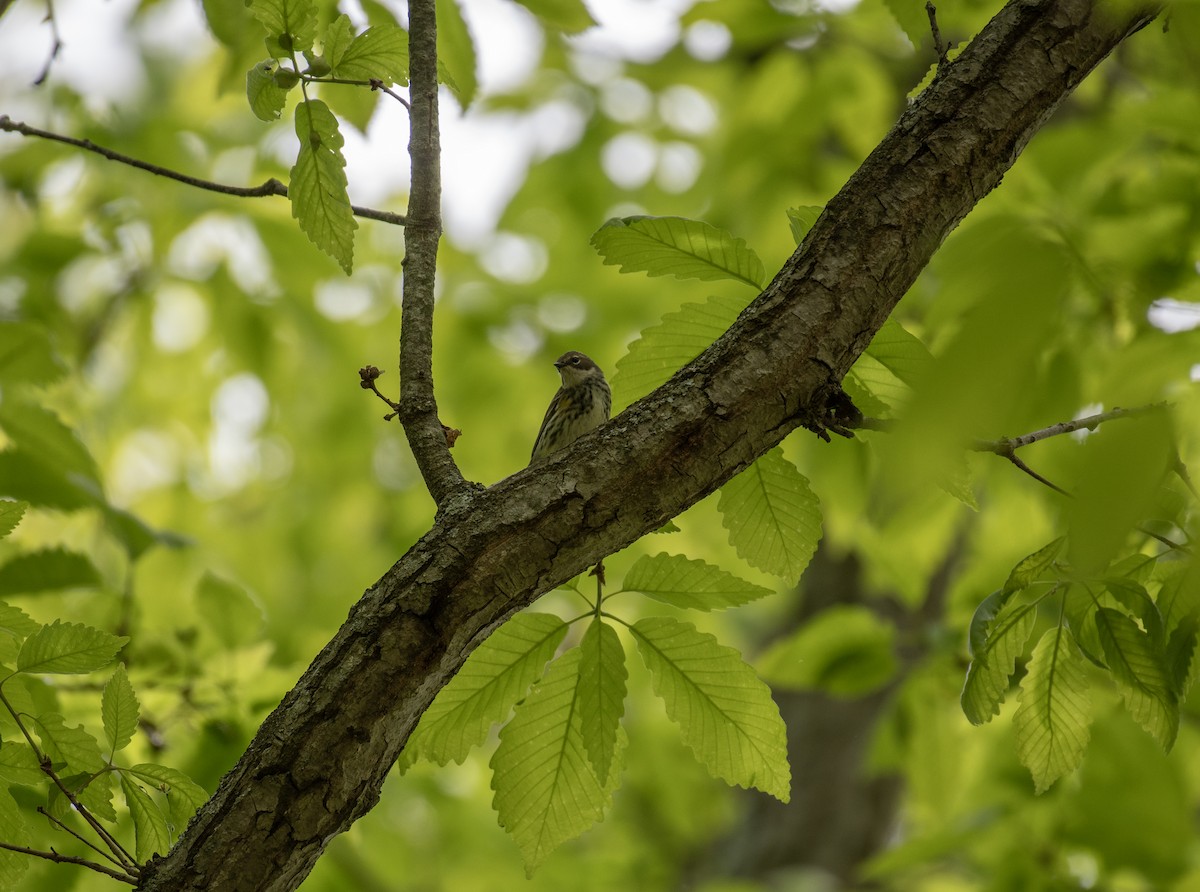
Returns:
point(417, 409)
point(319, 760)
point(270, 187)
point(71, 859)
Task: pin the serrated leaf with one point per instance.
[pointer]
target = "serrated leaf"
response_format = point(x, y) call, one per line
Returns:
point(1133, 596)
point(15, 627)
point(338, 37)
point(668, 527)
point(93, 791)
point(51, 569)
point(291, 24)
point(995, 661)
point(119, 710)
point(318, 193)
point(496, 675)
point(11, 513)
point(1033, 567)
point(68, 748)
point(1181, 654)
point(18, 765)
point(601, 695)
point(379, 52)
point(229, 612)
point(676, 246)
point(1052, 723)
point(568, 16)
point(900, 352)
point(184, 796)
point(27, 356)
point(149, 824)
point(546, 789)
point(773, 518)
point(663, 349)
point(845, 651)
point(27, 475)
point(910, 15)
point(68, 649)
point(977, 632)
point(14, 831)
point(1138, 669)
point(39, 432)
point(456, 50)
point(801, 220)
point(266, 97)
point(680, 582)
point(724, 710)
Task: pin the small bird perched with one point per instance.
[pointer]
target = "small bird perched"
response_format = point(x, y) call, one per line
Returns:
point(581, 404)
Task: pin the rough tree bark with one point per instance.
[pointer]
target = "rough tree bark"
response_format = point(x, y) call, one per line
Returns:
point(319, 760)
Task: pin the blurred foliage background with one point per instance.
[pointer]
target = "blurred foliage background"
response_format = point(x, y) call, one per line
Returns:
point(210, 357)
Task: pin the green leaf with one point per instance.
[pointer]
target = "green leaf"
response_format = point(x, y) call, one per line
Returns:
point(67, 748)
point(490, 682)
point(931, 72)
point(910, 15)
point(1180, 655)
point(184, 795)
point(1133, 596)
point(338, 37)
point(568, 16)
point(68, 649)
point(1137, 668)
point(11, 513)
point(668, 527)
point(50, 570)
point(773, 518)
point(119, 710)
point(900, 352)
point(601, 695)
point(456, 50)
point(676, 580)
point(663, 349)
point(1052, 723)
point(379, 52)
point(675, 246)
point(18, 765)
point(1033, 567)
point(977, 632)
point(265, 96)
point(26, 355)
point(801, 220)
point(25, 474)
point(291, 24)
point(995, 662)
point(318, 193)
point(40, 433)
point(845, 651)
point(136, 536)
point(93, 791)
point(546, 789)
point(14, 831)
point(229, 611)
point(149, 824)
point(726, 713)
point(15, 627)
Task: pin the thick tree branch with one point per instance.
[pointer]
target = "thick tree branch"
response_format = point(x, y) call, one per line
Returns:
point(320, 758)
point(270, 187)
point(418, 409)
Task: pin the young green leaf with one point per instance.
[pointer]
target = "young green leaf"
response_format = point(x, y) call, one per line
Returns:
point(318, 193)
point(995, 661)
point(266, 97)
point(42, 434)
point(26, 355)
point(338, 37)
point(291, 24)
point(67, 748)
point(93, 791)
point(379, 52)
point(68, 649)
point(15, 627)
point(726, 713)
point(801, 220)
point(184, 795)
point(1053, 719)
point(1180, 656)
point(977, 632)
point(1137, 667)
point(900, 352)
point(456, 50)
point(663, 349)
point(910, 16)
point(491, 681)
point(14, 831)
point(568, 16)
point(675, 246)
point(846, 651)
point(773, 518)
point(546, 789)
point(119, 710)
point(601, 695)
point(1033, 567)
point(676, 580)
point(18, 765)
point(149, 824)
point(11, 513)
point(48, 570)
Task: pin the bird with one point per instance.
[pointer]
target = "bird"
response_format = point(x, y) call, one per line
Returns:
point(580, 405)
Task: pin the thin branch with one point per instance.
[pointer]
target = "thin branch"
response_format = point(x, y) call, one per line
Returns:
point(72, 859)
point(270, 187)
point(1173, 546)
point(55, 47)
point(66, 829)
point(418, 408)
point(1012, 457)
point(1005, 445)
point(374, 83)
point(942, 49)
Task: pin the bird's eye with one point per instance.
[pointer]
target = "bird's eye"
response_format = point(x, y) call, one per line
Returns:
point(574, 360)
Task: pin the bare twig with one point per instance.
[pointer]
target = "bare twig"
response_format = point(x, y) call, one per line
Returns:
point(1091, 422)
point(52, 20)
point(418, 408)
point(270, 187)
point(374, 83)
point(72, 859)
point(367, 376)
point(91, 845)
point(942, 49)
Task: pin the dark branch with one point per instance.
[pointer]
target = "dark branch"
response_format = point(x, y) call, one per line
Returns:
point(270, 187)
point(72, 859)
point(942, 49)
point(1006, 445)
